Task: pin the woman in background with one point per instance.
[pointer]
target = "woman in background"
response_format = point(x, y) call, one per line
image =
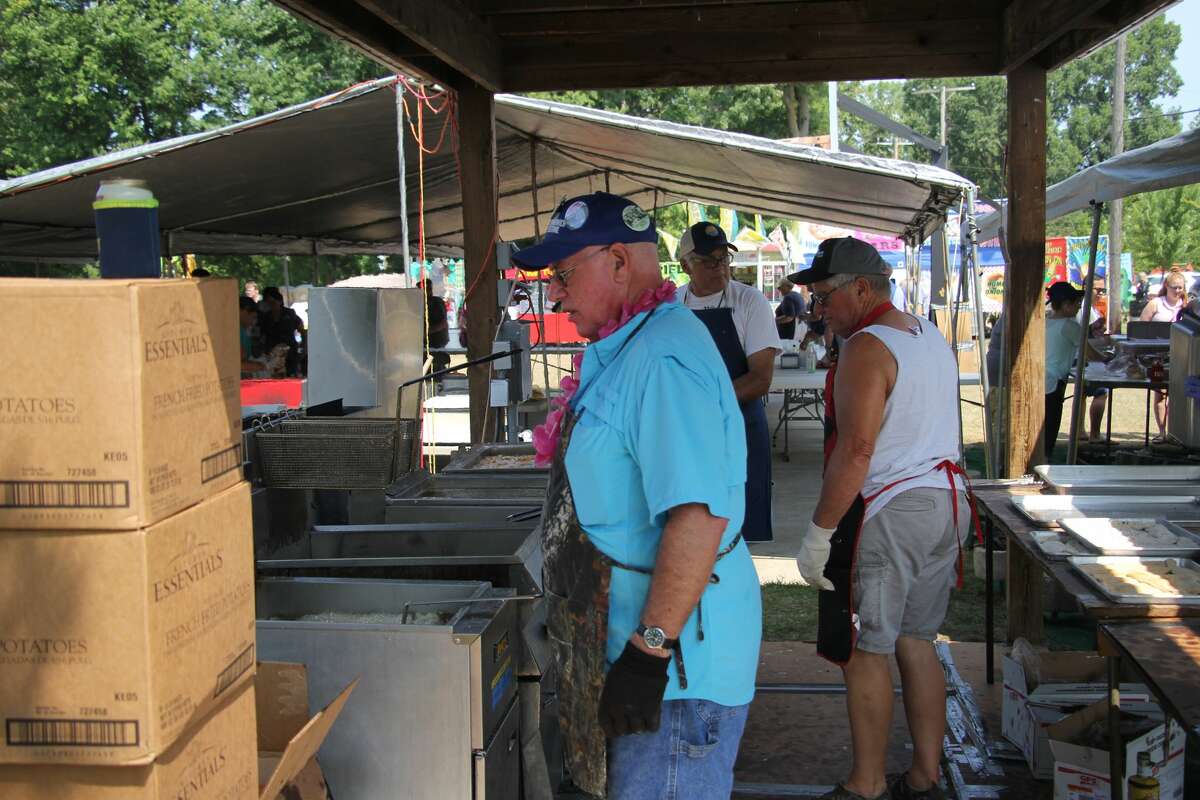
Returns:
point(1165, 308)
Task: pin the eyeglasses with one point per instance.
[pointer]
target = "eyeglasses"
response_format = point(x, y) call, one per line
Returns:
point(1178, 286)
point(822, 298)
point(720, 262)
point(559, 277)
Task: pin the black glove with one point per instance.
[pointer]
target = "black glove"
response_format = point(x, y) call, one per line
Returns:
point(633, 692)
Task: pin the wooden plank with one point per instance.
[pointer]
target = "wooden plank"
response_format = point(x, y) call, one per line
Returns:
point(1030, 26)
point(1024, 299)
point(708, 73)
point(1167, 656)
point(729, 18)
point(477, 154)
point(449, 31)
point(1023, 581)
point(372, 37)
point(663, 49)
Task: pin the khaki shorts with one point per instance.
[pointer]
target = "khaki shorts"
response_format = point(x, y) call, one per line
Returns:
point(906, 565)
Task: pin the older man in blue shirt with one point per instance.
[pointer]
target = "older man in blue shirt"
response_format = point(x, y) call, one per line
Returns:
point(654, 608)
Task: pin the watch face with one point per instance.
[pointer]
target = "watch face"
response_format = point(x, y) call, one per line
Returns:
point(654, 637)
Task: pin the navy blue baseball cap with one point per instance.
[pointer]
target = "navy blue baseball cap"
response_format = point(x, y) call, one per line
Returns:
point(702, 238)
point(590, 219)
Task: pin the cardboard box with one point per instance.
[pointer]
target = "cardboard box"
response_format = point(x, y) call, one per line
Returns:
point(114, 643)
point(1081, 772)
point(1068, 681)
point(119, 405)
point(287, 739)
point(216, 760)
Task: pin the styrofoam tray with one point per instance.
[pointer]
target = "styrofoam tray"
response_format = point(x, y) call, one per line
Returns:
point(1103, 535)
point(1144, 598)
point(1044, 509)
point(1119, 480)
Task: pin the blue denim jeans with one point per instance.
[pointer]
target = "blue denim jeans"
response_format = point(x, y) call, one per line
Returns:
point(690, 757)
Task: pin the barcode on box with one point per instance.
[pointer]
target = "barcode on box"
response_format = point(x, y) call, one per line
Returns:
point(238, 667)
point(71, 733)
point(216, 465)
point(64, 494)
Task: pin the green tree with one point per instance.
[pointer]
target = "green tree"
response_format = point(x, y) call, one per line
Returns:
point(83, 78)
point(1163, 228)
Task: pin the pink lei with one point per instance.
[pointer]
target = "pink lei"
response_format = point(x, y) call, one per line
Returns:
point(546, 435)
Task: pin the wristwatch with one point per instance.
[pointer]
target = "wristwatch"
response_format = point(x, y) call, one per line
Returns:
point(655, 638)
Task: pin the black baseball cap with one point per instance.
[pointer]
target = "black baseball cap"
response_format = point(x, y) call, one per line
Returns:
point(702, 238)
point(844, 255)
point(589, 219)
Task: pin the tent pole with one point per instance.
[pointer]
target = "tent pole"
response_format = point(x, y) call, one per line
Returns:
point(970, 255)
point(1077, 409)
point(403, 177)
point(953, 306)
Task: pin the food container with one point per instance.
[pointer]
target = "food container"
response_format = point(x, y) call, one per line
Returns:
point(1119, 480)
point(1133, 536)
point(1087, 566)
point(1047, 509)
point(1058, 546)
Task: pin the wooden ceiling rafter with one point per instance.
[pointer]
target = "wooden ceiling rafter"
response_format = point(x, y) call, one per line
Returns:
point(546, 45)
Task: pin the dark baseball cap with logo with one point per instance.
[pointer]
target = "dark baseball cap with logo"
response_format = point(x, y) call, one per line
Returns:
point(844, 255)
point(702, 239)
point(590, 219)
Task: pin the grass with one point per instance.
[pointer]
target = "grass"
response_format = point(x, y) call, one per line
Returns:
point(790, 612)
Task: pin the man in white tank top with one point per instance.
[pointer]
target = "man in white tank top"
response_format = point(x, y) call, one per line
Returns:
point(884, 542)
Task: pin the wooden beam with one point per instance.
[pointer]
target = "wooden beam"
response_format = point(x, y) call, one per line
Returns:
point(372, 37)
point(449, 31)
point(1024, 311)
point(1030, 26)
point(477, 154)
point(1096, 31)
point(759, 16)
point(708, 73)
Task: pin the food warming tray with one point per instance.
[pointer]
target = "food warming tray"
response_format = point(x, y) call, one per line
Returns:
point(1103, 536)
point(1045, 509)
point(1119, 480)
point(1146, 598)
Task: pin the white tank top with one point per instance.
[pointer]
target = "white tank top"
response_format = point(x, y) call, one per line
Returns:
point(920, 418)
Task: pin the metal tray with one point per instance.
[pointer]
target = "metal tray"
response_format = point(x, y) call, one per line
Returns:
point(1040, 538)
point(1047, 509)
point(1119, 480)
point(1090, 531)
point(1136, 599)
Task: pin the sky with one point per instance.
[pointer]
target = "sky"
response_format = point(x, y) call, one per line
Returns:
point(1187, 59)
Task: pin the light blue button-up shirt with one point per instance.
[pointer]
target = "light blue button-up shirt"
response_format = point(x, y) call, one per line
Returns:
point(659, 426)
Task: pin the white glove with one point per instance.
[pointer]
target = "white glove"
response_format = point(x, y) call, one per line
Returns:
point(814, 553)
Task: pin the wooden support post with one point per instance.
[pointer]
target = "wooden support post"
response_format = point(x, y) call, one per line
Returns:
point(1024, 312)
point(1023, 581)
point(477, 129)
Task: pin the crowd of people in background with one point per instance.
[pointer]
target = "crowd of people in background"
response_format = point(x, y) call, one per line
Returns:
point(273, 338)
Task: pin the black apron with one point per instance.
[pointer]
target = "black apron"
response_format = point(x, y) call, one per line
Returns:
point(757, 524)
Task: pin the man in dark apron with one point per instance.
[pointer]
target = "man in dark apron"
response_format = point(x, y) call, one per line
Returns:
point(884, 545)
point(652, 599)
point(742, 325)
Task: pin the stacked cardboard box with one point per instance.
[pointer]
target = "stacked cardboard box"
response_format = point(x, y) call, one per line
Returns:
point(126, 565)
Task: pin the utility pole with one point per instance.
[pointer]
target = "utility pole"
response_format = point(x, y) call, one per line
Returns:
point(834, 133)
point(944, 92)
point(1115, 218)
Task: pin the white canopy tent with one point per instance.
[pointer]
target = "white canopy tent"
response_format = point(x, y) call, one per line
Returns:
point(324, 177)
point(1163, 165)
